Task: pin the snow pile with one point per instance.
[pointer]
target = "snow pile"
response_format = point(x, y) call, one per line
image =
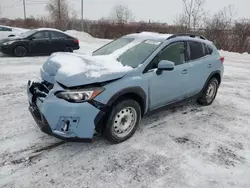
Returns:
point(84, 37)
point(235, 54)
point(87, 43)
point(79, 35)
point(90, 66)
point(146, 34)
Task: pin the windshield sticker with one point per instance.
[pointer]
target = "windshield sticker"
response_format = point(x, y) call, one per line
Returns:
point(152, 42)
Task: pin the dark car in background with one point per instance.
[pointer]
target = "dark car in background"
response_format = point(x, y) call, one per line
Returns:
point(39, 41)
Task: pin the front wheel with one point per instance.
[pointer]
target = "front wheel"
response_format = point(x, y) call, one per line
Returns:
point(209, 92)
point(20, 51)
point(123, 121)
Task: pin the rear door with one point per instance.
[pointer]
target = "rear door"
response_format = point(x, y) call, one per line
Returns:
point(40, 43)
point(58, 41)
point(200, 66)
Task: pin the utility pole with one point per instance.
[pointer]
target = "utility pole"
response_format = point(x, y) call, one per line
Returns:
point(24, 9)
point(59, 14)
point(82, 14)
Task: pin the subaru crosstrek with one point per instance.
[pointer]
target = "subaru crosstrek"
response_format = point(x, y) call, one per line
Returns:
point(110, 90)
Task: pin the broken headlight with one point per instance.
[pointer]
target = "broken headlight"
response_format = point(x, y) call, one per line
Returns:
point(79, 95)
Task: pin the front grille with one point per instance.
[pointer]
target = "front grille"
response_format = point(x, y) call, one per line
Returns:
point(40, 90)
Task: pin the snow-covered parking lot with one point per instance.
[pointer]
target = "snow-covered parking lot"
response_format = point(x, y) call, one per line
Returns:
point(187, 146)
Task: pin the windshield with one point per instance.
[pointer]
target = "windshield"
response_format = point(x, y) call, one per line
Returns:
point(136, 55)
point(132, 57)
point(112, 46)
point(28, 33)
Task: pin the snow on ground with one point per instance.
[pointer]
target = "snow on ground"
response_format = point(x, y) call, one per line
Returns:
point(187, 146)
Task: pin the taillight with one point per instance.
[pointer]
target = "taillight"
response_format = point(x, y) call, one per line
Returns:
point(76, 41)
point(222, 59)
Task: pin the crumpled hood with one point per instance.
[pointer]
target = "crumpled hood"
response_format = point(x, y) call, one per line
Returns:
point(72, 69)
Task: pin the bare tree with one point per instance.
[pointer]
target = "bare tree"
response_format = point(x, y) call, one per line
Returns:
point(59, 12)
point(218, 27)
point(121, 14)
point(242, 34)
point(192, 14)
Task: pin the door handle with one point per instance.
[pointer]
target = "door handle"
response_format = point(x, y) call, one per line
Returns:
point(184, 71)
point(209, 65)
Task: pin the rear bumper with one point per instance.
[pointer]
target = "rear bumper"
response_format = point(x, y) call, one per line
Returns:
point(76, 48)
point(61, 119)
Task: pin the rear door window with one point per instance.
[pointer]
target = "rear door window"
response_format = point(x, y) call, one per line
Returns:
point(57, 35)
point(196, 50)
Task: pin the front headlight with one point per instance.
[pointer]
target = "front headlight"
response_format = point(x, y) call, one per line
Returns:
point(80, 95)
point(8, 43)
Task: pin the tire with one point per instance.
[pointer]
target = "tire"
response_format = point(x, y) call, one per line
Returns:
point(209, 93)
point(20, 51)
point(123, 121)
point(69, 49)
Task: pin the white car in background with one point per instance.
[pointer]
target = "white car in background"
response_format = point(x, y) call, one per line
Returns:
point(6, 31)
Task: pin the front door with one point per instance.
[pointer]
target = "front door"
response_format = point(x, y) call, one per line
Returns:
point(40, 43)
point(169, 86)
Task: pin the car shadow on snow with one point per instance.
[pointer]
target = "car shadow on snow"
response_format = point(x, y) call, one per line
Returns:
point(147, 122)
point(31, 55)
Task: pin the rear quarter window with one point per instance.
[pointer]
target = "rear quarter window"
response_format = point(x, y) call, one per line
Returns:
point(208, 49)
point(56, 35)
point(196, 50)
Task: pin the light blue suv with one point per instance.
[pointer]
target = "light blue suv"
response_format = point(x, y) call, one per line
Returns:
point(155, 70)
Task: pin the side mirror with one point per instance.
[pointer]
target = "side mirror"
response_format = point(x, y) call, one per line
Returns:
point(165, 65)
point(32, 38)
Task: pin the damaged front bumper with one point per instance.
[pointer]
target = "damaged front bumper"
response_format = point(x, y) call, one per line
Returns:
point(59, 118)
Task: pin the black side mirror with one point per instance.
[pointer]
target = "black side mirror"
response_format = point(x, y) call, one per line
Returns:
point(32, 38)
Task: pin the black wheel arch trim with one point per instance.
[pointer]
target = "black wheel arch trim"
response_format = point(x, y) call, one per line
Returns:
point(130, 90)
point(209, 78)
point(99, 119)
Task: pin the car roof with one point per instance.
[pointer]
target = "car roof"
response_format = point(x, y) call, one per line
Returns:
point(49, 29)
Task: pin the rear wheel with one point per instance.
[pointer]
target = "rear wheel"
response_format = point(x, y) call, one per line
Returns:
point(20, 51)
point(209, 92)
point(123, 121)
point(68, 49)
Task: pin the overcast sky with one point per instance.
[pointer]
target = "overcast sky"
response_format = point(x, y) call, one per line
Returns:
point(155, 10)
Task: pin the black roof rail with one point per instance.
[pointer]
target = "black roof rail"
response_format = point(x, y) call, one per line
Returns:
point(188, 35)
